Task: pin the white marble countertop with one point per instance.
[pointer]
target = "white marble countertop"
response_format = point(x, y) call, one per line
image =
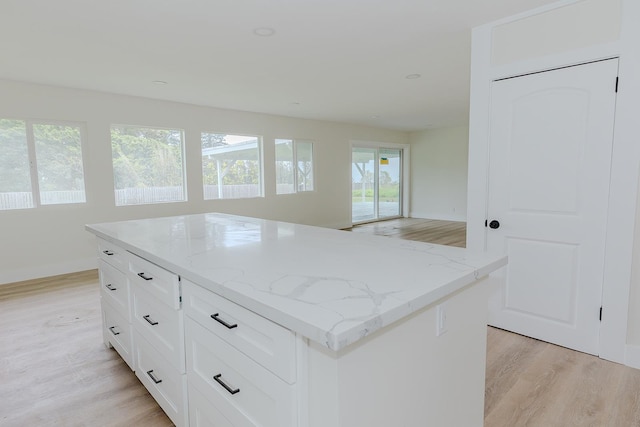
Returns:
point(333, 287)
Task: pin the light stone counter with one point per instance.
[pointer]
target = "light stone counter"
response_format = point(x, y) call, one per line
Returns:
point(331, 286)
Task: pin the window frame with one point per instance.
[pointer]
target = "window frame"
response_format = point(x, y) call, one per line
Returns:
point(33, 159)
point(295, 160)
point(260, 160)
point(183, 144)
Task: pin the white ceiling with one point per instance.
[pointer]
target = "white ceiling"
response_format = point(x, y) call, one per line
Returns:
point(337, 60)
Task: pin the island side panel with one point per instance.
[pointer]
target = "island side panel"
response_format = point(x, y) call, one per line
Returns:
point(405, 375)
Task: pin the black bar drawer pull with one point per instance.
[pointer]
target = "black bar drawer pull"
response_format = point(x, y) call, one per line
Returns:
point(150, 320)
point(217, 318)
point(107, 252)
point(144, 277)
point(112, 329)
point(153, 377)
point(218, 379)
point(110, 287)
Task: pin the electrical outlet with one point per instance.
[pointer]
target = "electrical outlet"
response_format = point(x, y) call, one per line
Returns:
point(441, 319)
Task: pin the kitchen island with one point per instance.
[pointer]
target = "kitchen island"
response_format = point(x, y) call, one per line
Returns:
point(237, 321)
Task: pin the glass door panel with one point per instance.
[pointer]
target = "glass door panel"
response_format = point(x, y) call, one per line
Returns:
point(376, 183)
point(363, 188)
point(389, 194)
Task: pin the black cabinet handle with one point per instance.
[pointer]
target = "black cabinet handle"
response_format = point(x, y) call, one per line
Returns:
point(155, 380)
point(110, 287)
point(144, 277)
point(107, 252)
point(114, 332)
point(218, 379)
point(219, 320)
point(150, 320)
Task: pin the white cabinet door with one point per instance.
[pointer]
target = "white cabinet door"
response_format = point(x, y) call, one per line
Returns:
point(550, 160)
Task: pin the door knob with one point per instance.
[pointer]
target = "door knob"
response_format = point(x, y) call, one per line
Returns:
point(494, 224)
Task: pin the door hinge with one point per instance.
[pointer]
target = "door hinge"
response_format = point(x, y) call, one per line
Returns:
point(601, 313)
point(617, 80)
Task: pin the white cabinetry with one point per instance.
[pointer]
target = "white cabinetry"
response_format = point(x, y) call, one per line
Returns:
point(143, 321)
point(159, 336)
point(165, 383)
point(115, 299)
point(267, 343)
point(241, 322)
point(240, 366)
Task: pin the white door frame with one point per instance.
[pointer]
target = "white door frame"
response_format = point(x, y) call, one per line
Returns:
point(625, 161)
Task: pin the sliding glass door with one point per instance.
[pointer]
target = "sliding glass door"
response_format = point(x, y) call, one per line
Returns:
point(376, 183)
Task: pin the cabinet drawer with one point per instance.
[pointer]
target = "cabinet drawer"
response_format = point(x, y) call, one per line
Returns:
point(203, 414)
point(269, 344)
point(167, 386)
point(117, 332)
point(114, 288)
point(113, 254)
point(242, 392)
point(162, 283)
point(162, 326)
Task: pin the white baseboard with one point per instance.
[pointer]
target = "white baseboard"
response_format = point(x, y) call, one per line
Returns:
point(632, 356)
point(439, 216)
point(48, 270)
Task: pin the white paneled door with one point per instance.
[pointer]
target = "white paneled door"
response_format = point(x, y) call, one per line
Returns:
point(550, 160)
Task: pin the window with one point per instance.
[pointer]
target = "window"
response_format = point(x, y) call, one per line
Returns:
point(231, 166)
point(294, 166)
point(41, 164)
point(148, 165)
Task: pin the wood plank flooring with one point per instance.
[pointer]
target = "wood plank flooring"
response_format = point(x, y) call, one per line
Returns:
point(54, 367)
point(55, 370)
point(449, 233)
point(533, 383)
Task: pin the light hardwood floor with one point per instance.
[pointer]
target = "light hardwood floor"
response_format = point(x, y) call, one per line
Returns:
point(533, 383)
point(449, 233)
point(55, 370)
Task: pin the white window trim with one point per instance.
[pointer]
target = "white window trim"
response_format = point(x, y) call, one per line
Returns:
point(185, 194)
point(294, 150)
point(261, 184)
point(33, 160)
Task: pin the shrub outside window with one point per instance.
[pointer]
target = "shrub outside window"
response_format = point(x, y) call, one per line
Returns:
point(41, 163)
point(148, 165)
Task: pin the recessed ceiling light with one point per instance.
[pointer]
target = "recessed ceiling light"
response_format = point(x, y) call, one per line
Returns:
point(159, 82)
point(413, 76)
point(264, 31)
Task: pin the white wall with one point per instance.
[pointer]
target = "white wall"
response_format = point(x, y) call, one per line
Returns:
point(570, 27)
point(439, 160)
point(51, 239)
point(605, 29)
